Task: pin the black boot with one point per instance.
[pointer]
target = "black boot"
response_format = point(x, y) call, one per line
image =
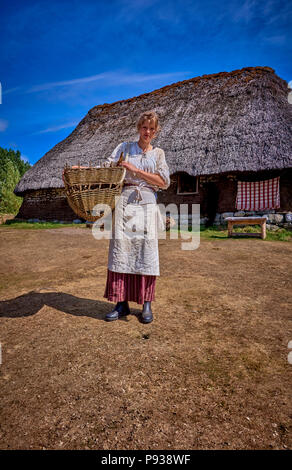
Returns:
point(147, 315)
point(120, 310)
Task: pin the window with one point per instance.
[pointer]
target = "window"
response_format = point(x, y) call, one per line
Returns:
point(187, 184)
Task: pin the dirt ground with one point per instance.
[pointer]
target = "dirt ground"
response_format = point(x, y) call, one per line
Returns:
point(210, 372)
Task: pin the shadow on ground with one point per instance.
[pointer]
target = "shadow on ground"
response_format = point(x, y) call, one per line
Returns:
point(32, 302)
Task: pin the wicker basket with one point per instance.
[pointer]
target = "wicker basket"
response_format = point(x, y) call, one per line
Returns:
point(86, 187)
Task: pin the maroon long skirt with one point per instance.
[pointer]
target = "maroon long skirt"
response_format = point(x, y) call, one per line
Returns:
point(138, 288)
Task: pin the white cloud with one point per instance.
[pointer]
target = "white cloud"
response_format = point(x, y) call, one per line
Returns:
point(275, 40)
point(138, 78)
point(115, 77)
point(76, 81)
point(3, 125)
point(10, 90)
point(57, 128)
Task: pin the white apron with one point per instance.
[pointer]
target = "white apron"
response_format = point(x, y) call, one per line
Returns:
point(133, 248)
point(137, 220)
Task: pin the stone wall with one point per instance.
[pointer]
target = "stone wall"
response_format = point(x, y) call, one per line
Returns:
point(46, 204)
point(274, 218)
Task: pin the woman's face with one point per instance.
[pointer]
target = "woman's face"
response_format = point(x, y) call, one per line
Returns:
point(147, 131)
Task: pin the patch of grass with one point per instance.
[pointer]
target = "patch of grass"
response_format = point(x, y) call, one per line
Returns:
point(221, 232)
point(208, 233)
point(213, 232)
point(20, 224)
point(282, 235)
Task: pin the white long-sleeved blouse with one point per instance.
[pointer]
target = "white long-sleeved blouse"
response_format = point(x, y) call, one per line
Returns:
point(152, 161)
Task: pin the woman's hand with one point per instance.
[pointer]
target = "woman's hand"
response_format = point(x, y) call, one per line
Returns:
point(129, 166)
point(151, 178)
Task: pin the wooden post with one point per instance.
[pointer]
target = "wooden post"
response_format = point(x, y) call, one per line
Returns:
point(263, 227)
point(230, 224)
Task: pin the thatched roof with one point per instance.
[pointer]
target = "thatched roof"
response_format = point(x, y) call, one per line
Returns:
point(224, 122)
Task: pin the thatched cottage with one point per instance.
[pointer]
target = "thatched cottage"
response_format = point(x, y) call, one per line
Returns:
point(217, 131)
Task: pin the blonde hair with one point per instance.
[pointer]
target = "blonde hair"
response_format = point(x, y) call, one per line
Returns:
point(149, 116)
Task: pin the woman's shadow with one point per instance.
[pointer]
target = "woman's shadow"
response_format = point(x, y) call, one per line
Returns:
point(30, 303)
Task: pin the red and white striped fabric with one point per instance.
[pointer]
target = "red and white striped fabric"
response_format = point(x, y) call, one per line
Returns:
point(138, 288)
point(258, 195)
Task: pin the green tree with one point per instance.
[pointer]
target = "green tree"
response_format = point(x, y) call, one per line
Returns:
point(12, 168)
point(15, 158)
point(9, 203)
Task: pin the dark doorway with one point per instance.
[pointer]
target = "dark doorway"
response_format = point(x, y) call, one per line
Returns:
point(212, 195)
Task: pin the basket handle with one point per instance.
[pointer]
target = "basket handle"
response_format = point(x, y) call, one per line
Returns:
point(120, 159)
point(122, 155)
point(127, 152)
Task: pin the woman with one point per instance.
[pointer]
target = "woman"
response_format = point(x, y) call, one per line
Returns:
point(133, 262)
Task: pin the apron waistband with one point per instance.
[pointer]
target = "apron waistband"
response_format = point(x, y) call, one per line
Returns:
point(136, 186)
point(138, 189)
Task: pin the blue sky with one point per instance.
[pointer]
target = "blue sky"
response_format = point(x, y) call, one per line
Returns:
point(61, 58)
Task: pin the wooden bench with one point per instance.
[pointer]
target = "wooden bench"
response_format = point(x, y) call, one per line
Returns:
point(254, 220)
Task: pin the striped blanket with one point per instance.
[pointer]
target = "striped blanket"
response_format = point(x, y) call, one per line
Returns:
point(258, 195)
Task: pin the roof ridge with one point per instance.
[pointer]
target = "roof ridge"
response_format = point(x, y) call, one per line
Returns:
point(198, 78)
